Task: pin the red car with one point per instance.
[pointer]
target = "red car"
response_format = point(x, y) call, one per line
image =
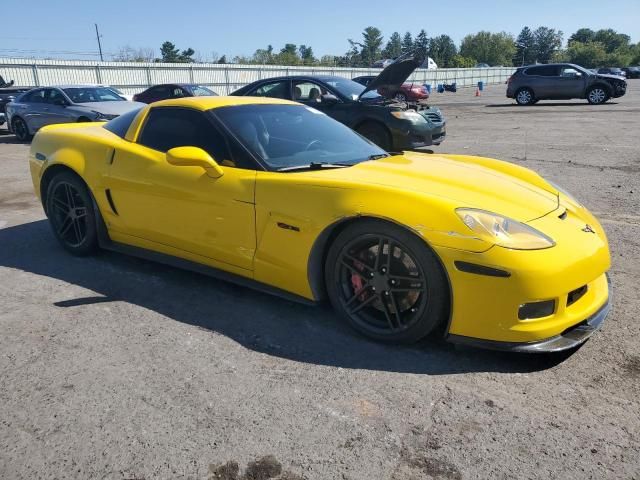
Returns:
point(407, 92)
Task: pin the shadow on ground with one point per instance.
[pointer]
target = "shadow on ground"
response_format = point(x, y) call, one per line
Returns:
point(257, 321)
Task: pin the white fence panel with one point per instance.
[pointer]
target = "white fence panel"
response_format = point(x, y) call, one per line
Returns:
point(224, 79)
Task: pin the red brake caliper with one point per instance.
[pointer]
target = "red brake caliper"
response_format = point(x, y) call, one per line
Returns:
point(357, 281)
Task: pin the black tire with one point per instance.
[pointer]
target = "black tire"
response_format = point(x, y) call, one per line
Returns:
point(377, 133)
point(397, 298)
point(525, 96)
point(20, 129)
point(400, 96)
point(69, 206)
point(597, 95)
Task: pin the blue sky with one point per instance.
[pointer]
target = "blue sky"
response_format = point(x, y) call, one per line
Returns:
point(41, 27)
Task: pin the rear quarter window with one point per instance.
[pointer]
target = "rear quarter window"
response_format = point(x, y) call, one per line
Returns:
point(120, 125)
point(542, 71)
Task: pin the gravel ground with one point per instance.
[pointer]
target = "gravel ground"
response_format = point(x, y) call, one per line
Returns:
point(117, 368)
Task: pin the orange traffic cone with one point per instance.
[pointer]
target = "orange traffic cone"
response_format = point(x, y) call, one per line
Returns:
point(477, 91)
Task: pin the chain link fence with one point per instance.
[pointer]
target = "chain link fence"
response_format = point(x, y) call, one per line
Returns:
point(222, 78)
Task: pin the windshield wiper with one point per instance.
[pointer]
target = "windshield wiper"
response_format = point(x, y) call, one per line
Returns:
point(315, 166)
point(377, 156)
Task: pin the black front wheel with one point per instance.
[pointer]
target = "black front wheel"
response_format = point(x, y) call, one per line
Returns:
point(386, 282)
point(597, 95)
point(376, 133)
point(525, 96)
point(70, 210)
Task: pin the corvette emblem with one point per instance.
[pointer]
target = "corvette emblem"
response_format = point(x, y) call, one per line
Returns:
point(587, 228)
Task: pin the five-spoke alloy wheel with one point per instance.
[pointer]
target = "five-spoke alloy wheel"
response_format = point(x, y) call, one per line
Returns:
point(70, 210)
point(386, 282)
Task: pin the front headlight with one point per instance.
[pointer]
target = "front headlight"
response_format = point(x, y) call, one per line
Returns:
point(503, 231)
point(407, 115)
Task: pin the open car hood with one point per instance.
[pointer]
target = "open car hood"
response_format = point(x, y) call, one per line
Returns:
point(395, 74)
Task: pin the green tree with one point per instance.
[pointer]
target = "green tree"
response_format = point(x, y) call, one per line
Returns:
point(393, 49)
point(169, 53)
point(422, 41)
point(306, 54)
point(491, 48)
point(443, 49)
point(586, 54)
point(222, 59)
point(407, 43)
point(370, 47)
point(612, 40)
point(526, 48)
point(458, 61)
point(547, 42)
point(583, 35)
point(263, 56)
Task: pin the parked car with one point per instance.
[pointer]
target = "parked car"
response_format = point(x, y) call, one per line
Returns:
point(275, 195)
point(632, 72)
point(172, 90)
point(8, 95)
point(411, 92)
point(126, 96)
point(63, 104)
point(392, 125)
point(482, 65)
point(612, 71)
point(562, 81)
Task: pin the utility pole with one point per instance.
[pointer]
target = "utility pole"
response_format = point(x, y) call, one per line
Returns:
point(99, 44)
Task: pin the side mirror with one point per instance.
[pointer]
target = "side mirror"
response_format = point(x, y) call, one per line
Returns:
point(194, 157)
point(329, 99)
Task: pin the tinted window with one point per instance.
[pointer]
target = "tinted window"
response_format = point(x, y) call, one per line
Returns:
point(308, 92)
point(274, 90)
point(159, 93)
point(33, 97)
point(167, 128)
point(349, 88)
point(286, 136)
point(200, 91)
point(569, 72)
point(543, 71)
point(55, 97)
point(121, 124)
point(92, 94)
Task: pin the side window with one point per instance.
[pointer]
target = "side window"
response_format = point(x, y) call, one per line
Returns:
point(274, 90)
point(55, 97)
point(34, 97)
point(307, 92)
point(177, 92)
point(543, 71)
point(570, 72)
point(159, 93)
point(166, 128)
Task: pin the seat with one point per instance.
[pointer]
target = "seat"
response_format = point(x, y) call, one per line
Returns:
point(297, 93)
point(249, 135)
point(314, 95)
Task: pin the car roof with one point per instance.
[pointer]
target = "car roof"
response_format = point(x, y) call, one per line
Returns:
point(208, 103)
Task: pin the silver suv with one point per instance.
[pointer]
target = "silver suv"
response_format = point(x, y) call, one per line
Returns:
point(563, 81)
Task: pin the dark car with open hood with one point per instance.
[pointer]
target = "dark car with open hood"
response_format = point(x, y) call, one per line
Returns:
point(391, 124)
point(563, 81)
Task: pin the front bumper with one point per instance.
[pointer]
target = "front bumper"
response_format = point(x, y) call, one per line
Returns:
point(419, 136)
point(570, 338)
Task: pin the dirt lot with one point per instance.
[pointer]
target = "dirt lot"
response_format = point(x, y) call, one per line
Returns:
point(117, 368)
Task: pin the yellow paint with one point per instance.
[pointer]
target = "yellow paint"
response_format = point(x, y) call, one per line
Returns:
point(229, 220)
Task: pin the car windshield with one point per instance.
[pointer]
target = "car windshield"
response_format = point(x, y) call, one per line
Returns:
point(92, 94)
point(200, 91)
point(286, 137)
point(350, 89)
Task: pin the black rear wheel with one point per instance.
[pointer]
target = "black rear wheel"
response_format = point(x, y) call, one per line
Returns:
point(69, 207)
point(386, 282)
point(524, 96)
point(20, 129)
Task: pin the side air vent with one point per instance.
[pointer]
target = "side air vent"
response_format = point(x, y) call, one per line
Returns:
point(110, 200)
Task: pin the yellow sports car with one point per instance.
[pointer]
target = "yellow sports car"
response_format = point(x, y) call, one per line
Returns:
point(277, 195)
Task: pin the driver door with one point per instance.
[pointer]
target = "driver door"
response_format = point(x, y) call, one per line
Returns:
point(571, 82)
point(178, 206)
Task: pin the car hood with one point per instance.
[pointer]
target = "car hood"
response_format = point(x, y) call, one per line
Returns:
point(475, 182)
point(608, 76)
point(111, 108)
point(395, 74)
